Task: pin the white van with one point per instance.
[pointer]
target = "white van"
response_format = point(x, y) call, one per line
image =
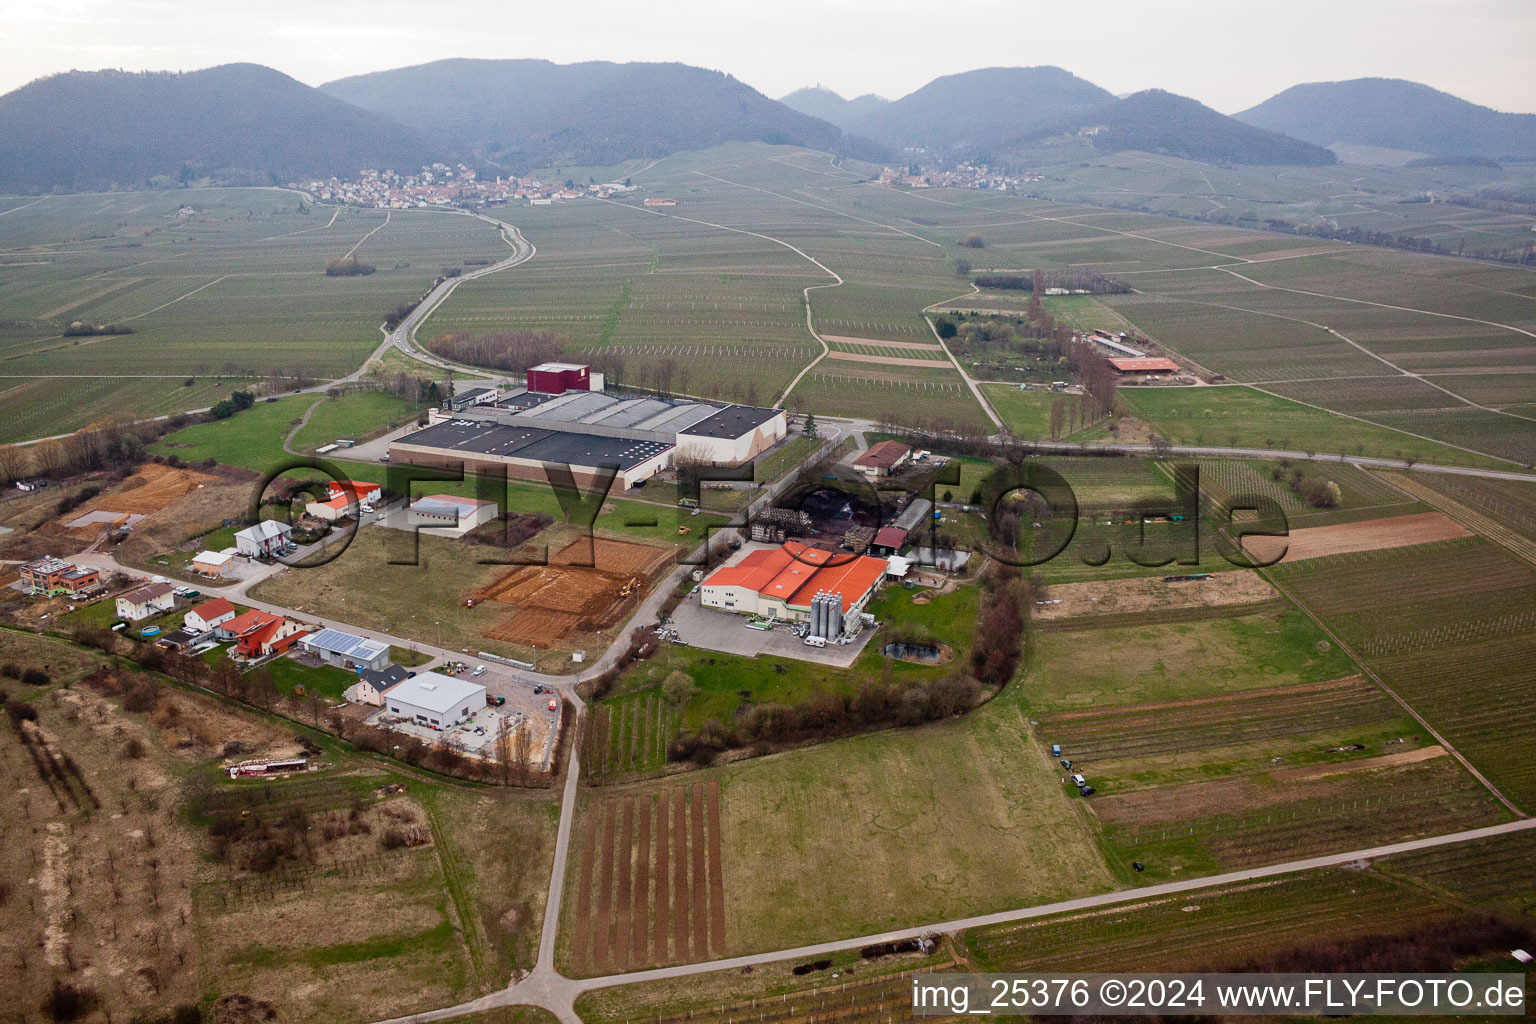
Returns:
point(815, 641)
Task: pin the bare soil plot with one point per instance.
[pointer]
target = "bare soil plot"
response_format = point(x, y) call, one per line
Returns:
point(614, 556)
point(557, 602)
point(650, 882)
point(1318, 771)
point(1109, 597)
point(149, 490)
point(1367, 535)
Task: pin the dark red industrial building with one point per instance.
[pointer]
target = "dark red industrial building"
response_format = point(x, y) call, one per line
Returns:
point(558, 378)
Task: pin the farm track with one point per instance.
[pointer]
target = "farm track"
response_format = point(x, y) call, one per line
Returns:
point(1473, 520)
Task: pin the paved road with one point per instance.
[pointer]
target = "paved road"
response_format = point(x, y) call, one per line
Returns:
point(557, 993)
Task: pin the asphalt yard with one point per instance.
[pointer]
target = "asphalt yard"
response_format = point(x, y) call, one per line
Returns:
point(726, 632)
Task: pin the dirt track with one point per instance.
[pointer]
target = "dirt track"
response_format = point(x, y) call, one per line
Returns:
point(1368, 535)
point(1318, 771)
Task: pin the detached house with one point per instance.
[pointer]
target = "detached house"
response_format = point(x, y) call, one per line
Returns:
point(209, 615)
point(146, 601)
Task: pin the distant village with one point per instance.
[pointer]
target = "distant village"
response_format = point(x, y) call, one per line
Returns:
point(960, 176)
point(461, 186)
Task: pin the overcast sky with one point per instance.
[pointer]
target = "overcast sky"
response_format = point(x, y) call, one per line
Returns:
point(1229, 54)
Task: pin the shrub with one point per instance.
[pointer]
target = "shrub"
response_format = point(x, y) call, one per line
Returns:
point(35, 677)
point(973, 241)
point(68, 1002)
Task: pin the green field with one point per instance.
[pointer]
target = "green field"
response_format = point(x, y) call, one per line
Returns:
point(355, 416)
point(1244, 418)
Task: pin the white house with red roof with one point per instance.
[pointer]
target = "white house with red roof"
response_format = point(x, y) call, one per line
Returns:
point(208, 615)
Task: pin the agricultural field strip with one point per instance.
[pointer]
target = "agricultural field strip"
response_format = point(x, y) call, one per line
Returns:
point(1384, 359)
point(1477, 522)
point(1269, 575)
point(1027, 913)
point(809, 325)
point(975, 389)
point(1127, 730)
point(1242, 261)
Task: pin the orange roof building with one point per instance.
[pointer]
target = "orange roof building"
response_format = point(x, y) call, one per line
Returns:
point(781, 581)
point(1148, 364)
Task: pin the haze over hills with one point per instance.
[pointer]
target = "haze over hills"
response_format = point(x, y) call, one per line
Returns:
point(829, 106)
point(979, 108)
point(1395, 114)
point(1155, 121)
point(521, 114)
point(248, 124)
point(240, 123)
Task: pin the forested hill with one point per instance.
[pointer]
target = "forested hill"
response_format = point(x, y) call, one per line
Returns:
point(235, 124)
point(521, 114)
point(979, 108)
point(1160, 122)
point(1394, 114)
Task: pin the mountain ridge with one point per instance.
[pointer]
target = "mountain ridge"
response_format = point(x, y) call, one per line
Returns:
point(1393, 113)
point(521, 114)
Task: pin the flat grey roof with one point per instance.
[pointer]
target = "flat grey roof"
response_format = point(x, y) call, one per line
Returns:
point(483, 437)
point(679, 418)
point(433, 691)
point(732, 421)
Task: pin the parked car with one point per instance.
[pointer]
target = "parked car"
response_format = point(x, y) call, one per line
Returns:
point(365, 508)
point(1066, 764)
point(495, 702)
point(1055, 749)
point(554, 705)
point(1085, 790)
point(479, 670)
point(1078, 780)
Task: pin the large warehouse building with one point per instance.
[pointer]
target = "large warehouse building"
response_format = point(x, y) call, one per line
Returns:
point(588, 430)
point(782, 581)
point(434, 700)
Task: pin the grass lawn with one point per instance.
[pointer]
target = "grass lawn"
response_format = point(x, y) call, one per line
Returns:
point(407, 659)
point(253, 438)
point(1026, 413)
point(776, 464)
point(1244, 418)
point(1146, 664)
point(355, 416)
point(326, 680)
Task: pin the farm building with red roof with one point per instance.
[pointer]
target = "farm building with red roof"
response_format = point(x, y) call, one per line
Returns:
point(781, 581)
point(1148, 364)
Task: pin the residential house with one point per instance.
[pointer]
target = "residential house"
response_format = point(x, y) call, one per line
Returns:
point(371, 685)
point(346, 650)
point(52, 577)
point(212, 563)
point(264, 539)
point(146, 601)
point(209, 615)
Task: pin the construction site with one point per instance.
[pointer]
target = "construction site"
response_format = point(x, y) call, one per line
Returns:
point(586, 588)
